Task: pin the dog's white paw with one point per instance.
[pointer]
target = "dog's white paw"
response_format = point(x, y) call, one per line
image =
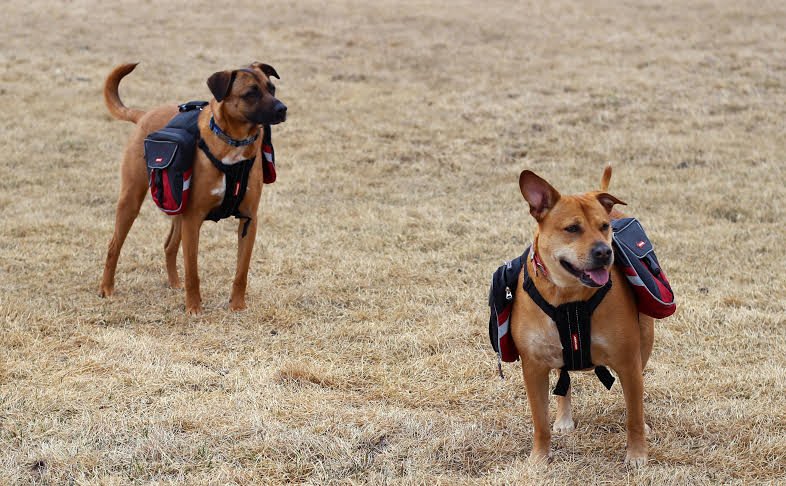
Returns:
point(564, 425)
point(636, 459)
point(647, 430)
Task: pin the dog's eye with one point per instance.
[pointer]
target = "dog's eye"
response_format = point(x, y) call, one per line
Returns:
point(574, 228)
point(271, 89)
point(604, 227)
point(252, 93)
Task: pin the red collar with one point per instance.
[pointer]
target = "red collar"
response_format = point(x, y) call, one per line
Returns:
point(538, 263)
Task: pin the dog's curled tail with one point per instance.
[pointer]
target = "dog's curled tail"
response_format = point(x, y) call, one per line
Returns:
point(112, 99)
point(606, 179)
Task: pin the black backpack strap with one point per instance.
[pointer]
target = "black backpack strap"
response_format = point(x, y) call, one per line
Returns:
point(604, 376)
point(598, 296)
point(532, 291)
point(206, 150)
point(236, 174)
point(192, 105)
point(573, 321)
point(188, 117)
point(563, 383)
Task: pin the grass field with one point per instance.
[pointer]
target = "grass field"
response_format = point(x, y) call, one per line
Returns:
point(364, 356)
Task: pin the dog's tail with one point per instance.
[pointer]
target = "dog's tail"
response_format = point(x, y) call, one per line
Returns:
point(112, 99)
point(606, 179)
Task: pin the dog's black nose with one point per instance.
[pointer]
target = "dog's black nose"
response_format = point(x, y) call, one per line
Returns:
point(280, 108)
point(601, 254)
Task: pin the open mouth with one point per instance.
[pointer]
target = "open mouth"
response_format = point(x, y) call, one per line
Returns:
point(594, 277)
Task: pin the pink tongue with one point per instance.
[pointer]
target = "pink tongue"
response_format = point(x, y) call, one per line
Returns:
point(600, 275)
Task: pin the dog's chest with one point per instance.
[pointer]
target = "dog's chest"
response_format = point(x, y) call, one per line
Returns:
point(233, 157)
point(541, 343)
point(221, 187)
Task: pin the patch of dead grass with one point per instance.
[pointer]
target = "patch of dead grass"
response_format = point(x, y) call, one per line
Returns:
point(363, 356)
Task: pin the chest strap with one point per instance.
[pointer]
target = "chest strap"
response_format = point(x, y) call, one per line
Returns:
point(236, 181)
point(573, 321)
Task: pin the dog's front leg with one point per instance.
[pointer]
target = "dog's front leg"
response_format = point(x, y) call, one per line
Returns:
point(564, 422)
point(245, 245)
point(190, 227)
point(633, 388)
point(536, 379)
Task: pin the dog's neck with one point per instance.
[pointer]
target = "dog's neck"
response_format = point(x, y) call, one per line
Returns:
point(553, 293)
point(238, 130)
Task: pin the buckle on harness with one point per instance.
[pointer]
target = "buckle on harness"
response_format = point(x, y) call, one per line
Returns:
point(192, 105)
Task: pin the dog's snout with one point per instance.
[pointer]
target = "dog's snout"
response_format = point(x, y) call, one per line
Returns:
point(280, 108)
point(601, 253)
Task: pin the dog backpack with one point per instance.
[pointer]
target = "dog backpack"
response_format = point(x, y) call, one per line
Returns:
point(268, 156)
point(501, 293)
point(635, 255)
point(169, 154)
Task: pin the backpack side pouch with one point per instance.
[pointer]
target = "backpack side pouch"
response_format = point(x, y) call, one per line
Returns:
point(169, 154)
point(634, 253)
point(501, 294)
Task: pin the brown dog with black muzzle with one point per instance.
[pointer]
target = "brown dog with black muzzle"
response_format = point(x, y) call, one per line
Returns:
point(243, 100)
point(572, 259)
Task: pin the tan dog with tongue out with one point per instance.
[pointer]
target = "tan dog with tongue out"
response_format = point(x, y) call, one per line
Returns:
point(572, 259)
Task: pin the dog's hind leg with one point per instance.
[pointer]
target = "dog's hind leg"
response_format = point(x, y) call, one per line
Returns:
point(633, 390)
point(647, 328)
point(128, 205)
point(191, 223)
point(564, 422)
point(171, 247)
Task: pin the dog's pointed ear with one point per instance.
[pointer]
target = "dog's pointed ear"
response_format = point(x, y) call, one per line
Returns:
point(220, 84)
point(538, 193)
point(605, 179)
point(608, 201)
point(267, 69)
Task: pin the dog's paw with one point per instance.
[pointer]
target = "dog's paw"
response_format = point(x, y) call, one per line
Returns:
point(564, 425)
point(237, 306)
point(194, 310)
point(177, 285)
point(636, 459)
point(105, 291)
point(540, 458)
point(647, 430)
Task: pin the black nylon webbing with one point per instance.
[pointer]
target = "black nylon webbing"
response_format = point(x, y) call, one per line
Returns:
point(573, 321)
point(235, 174)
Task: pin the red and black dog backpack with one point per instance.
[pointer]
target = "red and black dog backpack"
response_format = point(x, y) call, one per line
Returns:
point(169, 154)
point(635, 255)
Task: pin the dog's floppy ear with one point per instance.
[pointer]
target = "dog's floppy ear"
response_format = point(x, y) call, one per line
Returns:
point(608, 201)
point(267, 69)
point(220, 83)
point(538, 193)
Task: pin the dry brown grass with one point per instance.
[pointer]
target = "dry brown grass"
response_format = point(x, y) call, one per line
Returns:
point(364, 356)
